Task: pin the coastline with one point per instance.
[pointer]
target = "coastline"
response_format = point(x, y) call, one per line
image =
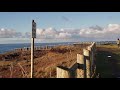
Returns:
point(10, 47)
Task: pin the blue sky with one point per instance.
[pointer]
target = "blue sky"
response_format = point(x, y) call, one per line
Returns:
point(21, 21)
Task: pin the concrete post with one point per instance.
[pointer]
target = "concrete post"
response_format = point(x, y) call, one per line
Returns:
point(86, 53)
point(94, 50)
point(46, 47)
point(81, 66)
point(90, 48)
point(63, 72)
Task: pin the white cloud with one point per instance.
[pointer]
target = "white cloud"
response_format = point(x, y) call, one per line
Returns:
point(49, 33)
point(110, 32)
point(9, 33)
point(64, 35)
point(27, 35)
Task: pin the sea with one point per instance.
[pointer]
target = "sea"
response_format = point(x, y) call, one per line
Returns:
point(10, 47)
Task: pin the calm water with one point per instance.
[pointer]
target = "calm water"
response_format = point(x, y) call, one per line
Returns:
point(9, 47)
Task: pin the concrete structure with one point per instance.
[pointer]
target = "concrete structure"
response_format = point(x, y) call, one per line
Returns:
point(85, 66)
point(81, 66)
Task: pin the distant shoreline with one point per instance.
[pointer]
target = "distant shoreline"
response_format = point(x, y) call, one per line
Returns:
point(59, 42)
point(10, 47)
point(38, 43)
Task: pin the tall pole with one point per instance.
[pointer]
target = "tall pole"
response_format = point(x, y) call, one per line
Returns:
point(32, 47)
point(32, 56)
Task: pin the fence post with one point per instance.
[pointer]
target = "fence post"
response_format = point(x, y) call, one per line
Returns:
point(86, 53)
point(90, 48)
point(94, 58)
point(63, 72)
point(46, 47)
point(81, 66)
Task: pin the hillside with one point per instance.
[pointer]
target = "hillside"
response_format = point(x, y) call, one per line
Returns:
point(45, 62)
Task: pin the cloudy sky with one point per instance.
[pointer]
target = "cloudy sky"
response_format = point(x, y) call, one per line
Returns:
point(16, 27)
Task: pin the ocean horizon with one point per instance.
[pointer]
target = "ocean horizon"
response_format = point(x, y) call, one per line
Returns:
point(11, 46)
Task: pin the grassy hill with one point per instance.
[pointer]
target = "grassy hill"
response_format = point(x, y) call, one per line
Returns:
point(45, 62)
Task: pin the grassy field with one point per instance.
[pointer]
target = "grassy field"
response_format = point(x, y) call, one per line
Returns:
point(45, 62)
point(108, 61)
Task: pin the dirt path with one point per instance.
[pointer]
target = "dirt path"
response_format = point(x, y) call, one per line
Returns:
point(108, 61)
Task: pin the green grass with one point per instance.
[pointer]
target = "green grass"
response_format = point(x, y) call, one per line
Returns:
point(108, 67)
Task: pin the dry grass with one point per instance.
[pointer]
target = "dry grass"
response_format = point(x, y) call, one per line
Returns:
point(45, 62)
